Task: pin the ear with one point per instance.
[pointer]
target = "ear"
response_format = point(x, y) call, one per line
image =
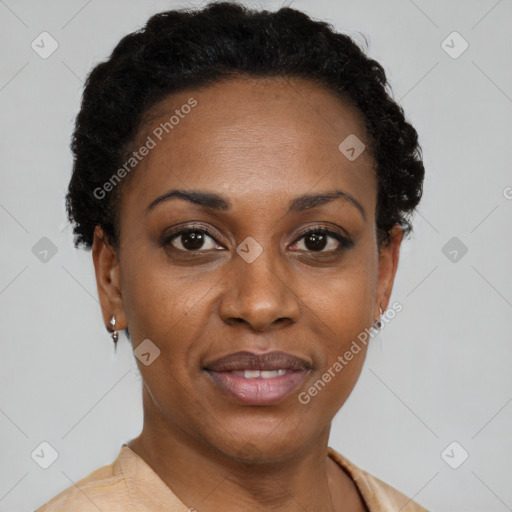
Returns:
point(388, 264)
point(106, 266)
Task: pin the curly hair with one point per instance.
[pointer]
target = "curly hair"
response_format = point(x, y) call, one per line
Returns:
point(180, 49)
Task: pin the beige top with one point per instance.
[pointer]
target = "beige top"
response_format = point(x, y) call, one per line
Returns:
point(129, 484)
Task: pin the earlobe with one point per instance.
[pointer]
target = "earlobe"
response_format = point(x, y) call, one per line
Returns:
point(388, 263)
point(106, 266)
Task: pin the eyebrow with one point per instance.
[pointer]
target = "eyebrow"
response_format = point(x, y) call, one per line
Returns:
point(217, 202)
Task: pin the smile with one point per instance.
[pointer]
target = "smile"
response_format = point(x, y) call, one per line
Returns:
point(258, 379)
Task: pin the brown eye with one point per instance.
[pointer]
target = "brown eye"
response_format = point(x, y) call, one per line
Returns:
point(191, 239)
point(318, 239)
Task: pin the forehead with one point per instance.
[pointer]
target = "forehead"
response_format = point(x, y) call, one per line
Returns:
point(252, 137)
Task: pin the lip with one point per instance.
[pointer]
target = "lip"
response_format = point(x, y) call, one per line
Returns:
point(269, 361)
point(225, 373)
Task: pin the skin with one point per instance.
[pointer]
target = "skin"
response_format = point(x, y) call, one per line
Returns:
point(260, 143)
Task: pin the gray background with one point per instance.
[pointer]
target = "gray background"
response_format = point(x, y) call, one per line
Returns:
point(439, 372)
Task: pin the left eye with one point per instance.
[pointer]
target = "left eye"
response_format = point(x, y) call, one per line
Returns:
point(317, 240)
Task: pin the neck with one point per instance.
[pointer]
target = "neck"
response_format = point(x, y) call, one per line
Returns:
point(206, 479)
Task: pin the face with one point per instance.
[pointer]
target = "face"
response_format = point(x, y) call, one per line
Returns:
point(263, 267)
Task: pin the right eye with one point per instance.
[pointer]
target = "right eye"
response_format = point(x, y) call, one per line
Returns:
point(190, 239)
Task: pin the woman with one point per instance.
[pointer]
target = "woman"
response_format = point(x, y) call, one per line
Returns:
point(244, 181)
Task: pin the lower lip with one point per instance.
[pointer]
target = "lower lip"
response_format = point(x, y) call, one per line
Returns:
point(258, 391)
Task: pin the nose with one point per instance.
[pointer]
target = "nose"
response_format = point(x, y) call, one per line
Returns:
point(259, 294)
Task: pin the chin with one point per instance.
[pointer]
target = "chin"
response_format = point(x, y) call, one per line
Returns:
point(260, 444)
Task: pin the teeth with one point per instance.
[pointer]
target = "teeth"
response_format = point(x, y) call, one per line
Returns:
point(251, 374)
point(263, 374)
point(268, 374)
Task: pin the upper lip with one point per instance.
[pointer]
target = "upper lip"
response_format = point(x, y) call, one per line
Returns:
point(250, 361)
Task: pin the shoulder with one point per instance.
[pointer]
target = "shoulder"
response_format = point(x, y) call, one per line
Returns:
point(383, 493)
point(100, 490)
point(378, 496)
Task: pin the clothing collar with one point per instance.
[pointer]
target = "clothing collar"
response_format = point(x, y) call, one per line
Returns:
point(145, 485)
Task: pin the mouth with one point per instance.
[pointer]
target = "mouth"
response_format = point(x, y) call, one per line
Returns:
point(258, 379)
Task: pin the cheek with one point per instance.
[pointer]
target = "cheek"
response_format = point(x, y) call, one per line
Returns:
point(345, 303)
point(343, 308)
point(159, 306)
point(165, 305)
point(158, 297)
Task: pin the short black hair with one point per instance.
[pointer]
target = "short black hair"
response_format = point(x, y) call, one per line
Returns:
point(180, 49)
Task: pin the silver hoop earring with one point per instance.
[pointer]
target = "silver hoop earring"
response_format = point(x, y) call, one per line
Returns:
point(115, 334)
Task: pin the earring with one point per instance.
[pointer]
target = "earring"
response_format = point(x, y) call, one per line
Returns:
point(115, 334)
point(378, 322)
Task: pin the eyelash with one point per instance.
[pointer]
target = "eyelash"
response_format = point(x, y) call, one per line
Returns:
point(344, 242)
